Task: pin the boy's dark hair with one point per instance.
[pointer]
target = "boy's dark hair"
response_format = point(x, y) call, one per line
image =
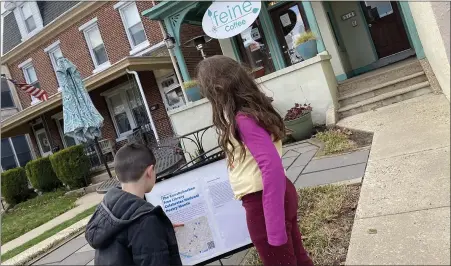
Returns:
point(131, 161)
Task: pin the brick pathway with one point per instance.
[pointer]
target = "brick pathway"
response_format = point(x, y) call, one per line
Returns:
point(302, 169)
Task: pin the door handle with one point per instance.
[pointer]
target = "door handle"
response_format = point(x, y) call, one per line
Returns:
point(370, 25)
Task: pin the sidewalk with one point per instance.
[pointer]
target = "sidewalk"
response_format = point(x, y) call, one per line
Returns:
point(403, 215)
point(83, 203)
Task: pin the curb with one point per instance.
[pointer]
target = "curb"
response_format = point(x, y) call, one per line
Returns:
point(44, 246)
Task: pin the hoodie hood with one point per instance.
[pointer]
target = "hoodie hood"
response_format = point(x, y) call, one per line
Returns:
point(117, 211)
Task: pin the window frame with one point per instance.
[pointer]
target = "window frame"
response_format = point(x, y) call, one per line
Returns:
point(57, 119)
point(121, 90)
point(176, 85)
point(50, 50)
point(27, 65)
point(8, 90)
point(13, 149)
point(85, 28)
point(134, 48)
point(20, 18)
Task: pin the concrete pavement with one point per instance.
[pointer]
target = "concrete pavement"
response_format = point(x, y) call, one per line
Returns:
point(403, 215)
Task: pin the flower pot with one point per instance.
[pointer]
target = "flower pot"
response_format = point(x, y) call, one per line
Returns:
point(193, 94)
point(302, 127)
point(307, 50)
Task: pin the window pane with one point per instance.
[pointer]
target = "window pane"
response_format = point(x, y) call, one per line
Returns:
point(379, 9)
point(8, 161)
point(131, 15)
point(120, 116)
point(100, 54)
point(22, 149)
point(26, 10)
point(7, 99)
point(56, 54)
point(122, 123)
point(137, 34)
point(31, 25)
point(69, 140)
point(255, 51)
point(94, 37)
point(43, 141)
point(31, 73)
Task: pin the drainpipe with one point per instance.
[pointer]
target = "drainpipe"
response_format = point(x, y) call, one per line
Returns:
point(138, 81)
point(174, 62)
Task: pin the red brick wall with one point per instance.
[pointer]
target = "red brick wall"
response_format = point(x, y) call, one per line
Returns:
point(191, 54)
point(74, 47)
point(153, 95)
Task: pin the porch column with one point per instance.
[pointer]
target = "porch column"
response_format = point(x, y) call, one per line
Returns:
point(173, 24)
point(411, 29)
point(313, 25)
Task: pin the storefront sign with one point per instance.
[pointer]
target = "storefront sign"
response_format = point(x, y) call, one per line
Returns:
point(227, 19)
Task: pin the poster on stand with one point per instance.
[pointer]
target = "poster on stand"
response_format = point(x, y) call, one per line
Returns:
point(202, 200)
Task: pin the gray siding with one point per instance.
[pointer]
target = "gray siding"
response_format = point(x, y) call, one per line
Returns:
point(11, 34)
point(49, 10)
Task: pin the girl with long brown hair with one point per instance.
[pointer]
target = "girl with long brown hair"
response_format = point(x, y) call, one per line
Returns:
point(251, 132)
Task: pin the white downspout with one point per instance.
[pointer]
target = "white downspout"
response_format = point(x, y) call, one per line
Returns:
point(174, 62)
point(138, 81)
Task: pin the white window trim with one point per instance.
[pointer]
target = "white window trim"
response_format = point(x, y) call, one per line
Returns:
point(135, 48)
point(162, 93)
point(122, 90)
point(86, 27)
point(50, 49)
point(24, 65)
point(57, 117)
point(21, 21)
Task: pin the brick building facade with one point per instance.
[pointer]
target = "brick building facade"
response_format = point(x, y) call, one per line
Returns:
point(69, 31)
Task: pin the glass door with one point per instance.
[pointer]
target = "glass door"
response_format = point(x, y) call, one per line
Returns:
point(43, 141)
point(289, 23)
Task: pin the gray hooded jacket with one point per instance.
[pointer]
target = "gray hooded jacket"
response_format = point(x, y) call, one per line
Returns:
point(127, 230)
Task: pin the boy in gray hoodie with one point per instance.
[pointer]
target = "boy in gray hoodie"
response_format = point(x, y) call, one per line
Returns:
point(126, 229)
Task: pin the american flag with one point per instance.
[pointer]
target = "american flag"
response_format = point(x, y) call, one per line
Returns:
point(30, 89)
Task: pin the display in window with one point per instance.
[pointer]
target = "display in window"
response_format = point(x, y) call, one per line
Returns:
point(254, 50)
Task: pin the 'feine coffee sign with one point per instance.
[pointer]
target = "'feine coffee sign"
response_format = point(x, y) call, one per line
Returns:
point(227, 19)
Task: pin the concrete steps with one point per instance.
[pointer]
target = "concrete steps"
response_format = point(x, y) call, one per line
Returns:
point(382, 87)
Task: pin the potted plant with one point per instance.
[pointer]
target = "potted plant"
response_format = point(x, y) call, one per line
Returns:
point(306, 45)
point(192, 90)
point(299, 121)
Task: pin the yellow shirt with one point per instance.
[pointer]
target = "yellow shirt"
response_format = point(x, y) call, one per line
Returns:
point(245, 176)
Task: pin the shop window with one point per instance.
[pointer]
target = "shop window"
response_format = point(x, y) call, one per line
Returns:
point(289, 22)
point(171, 92)
point(254, 50)
point(133, 26)
point(95, 45)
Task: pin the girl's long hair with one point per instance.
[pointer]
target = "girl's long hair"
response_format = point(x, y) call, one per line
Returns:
point(231, 90)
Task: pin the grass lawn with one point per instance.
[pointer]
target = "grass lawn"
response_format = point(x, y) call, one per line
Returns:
point(47, 234)
point(326, 217)
point(28, 215)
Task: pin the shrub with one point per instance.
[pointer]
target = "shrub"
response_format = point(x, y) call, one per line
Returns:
point(71, 166)
point(304, 37)
point(15, 185)
point(41, 174)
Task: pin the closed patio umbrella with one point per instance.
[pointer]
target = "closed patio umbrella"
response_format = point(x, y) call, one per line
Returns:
point(81, 119)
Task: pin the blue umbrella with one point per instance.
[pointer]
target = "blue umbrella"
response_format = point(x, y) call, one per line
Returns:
point(81, 119)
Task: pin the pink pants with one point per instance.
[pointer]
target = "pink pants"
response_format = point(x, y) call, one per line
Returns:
point(293, 252)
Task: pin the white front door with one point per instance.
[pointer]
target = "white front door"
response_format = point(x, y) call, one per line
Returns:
point(171, 92)
point(43, 142)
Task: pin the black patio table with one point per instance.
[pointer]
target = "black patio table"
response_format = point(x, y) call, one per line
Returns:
point(170, 163)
